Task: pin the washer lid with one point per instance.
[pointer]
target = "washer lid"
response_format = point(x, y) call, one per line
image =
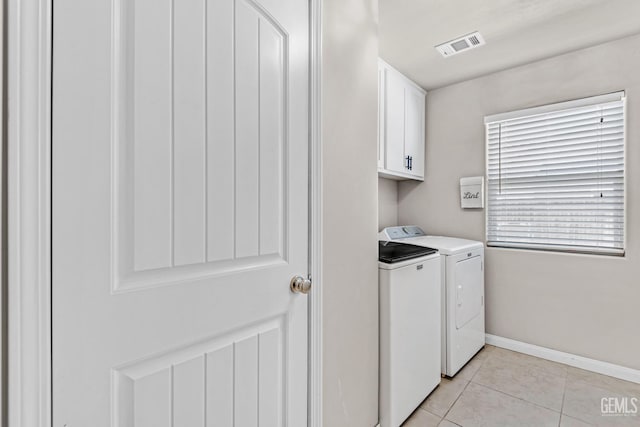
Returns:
point(392, 252)
point(445, 245)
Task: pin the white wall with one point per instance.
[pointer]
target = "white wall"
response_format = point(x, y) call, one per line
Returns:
point(387, 203)
point(3, 245)
point(350, 191)
point(586, 305)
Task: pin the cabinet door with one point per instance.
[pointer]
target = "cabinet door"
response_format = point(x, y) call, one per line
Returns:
point(414, 112)
point(394, 127)
point(381, 112)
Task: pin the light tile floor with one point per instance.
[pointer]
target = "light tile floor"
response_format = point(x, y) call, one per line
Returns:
point(502, 388)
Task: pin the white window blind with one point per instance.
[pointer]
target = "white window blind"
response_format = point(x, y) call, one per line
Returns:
point(555, 176)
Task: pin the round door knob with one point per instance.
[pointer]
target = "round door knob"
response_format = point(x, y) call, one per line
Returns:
point(300, 285)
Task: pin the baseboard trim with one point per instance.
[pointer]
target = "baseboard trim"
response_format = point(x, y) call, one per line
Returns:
point(605, 368)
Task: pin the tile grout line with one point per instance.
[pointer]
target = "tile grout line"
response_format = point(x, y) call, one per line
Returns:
point(472, 380)
point(420, 408)
point(518, 398)
point(564, 376)
point(522, 399)
point(444, 417)
point(507, 394)
point(564, 393)
point(482, 363)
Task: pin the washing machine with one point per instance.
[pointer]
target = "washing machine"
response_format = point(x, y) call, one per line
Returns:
point(410, 316)
point(463, 329)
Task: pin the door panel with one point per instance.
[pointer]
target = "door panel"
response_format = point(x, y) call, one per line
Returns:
point(394, 124)
point(152, 397)
point(178, 219)
point(188, 391)
point(169, 169)
point(147, 95)
point(414, 130)
point(220, 385)
point(381, 112)
point(235, 376)
point(220, 122)
point(189, 132)
point(469, 290)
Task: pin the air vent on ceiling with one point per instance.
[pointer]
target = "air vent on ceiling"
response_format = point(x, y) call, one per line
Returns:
point(461, 44)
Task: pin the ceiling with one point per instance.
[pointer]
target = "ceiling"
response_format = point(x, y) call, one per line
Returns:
point(516, 32)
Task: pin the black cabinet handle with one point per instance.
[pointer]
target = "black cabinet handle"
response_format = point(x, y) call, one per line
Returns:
point(408, 162)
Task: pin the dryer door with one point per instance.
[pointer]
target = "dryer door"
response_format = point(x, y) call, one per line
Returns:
point(468, 290)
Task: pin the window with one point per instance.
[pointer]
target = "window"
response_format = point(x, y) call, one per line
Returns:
point(555, 177)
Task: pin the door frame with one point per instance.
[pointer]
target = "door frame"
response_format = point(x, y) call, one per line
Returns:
point(28, 54)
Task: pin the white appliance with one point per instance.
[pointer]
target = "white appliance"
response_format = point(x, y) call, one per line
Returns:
point(410, 316)
point(463, 333)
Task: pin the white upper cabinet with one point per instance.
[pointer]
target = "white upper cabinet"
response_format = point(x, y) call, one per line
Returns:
point(401, 141)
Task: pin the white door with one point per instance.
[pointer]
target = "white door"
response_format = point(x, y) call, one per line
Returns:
point(394, 122)
point(469, 290)
point(381, 113)
point(414, 119)
point(179, 212)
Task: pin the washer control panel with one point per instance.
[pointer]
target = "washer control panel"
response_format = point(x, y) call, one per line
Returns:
point(401, 232)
